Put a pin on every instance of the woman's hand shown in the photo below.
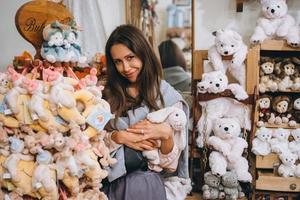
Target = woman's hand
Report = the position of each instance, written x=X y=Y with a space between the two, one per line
x=133 y=140
x=161 y=131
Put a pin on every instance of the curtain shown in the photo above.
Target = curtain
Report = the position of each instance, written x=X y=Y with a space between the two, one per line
x=89 y=17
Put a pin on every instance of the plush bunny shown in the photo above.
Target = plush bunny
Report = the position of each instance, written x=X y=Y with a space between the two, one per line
x=294 y=146
x=295 y=112
x=229 y=43
x=64 y=157
x=11 y=163
x=279 y=142
x=229 y=148
x=287 y=167
x=212 y=189
x=42 y=178
x=264 y=109
x=177 y=120
x=275 y=23
x=71 y=43
x=267 y=77
x=102 y=151
x=52 y=48
x=260 y=144
x=216 y=82
x=58 y=95
x=16 y=91
x=281 y=106
x=36 y=106
x=218 y=108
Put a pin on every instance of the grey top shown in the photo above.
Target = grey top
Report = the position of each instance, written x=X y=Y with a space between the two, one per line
x=178 y=78
x=171 y=96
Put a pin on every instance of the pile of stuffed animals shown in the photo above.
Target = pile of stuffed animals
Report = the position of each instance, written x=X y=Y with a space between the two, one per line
x=283 y=142
x=279 y=74
x=46 y=135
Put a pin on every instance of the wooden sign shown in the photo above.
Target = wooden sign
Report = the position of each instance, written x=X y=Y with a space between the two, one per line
x=32 y=17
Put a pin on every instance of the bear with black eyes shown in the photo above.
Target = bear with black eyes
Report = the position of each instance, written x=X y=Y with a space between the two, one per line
x=281 y=106
x=295 y=112
x=264 y=109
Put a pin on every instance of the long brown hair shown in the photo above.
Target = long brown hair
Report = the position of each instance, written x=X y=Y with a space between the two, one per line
x=171 y=55
x=148 y=80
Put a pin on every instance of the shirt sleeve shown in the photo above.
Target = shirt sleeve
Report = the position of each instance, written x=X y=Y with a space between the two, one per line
x=111 y=145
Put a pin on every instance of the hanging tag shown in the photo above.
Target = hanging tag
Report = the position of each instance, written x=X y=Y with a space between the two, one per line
x=6 y=176
x=38 y=185
x=34 y=117
x=98 y=119
x=6 y=197
x=60 y=120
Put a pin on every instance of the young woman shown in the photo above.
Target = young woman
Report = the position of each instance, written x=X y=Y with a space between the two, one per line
x=134 y=88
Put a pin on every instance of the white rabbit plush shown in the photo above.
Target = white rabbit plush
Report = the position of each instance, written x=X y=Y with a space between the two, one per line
x=42 y=175
x=11 y=163
x=260 y=144
x=229 y=43
x=216 y=82
x=177 y=120
x=275 y=23
x=16 y=91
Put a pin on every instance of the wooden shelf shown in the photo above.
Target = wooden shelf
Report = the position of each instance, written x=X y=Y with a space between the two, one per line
x=266 y=162
x=270 y=182
x=267 y=125
x=276 y=45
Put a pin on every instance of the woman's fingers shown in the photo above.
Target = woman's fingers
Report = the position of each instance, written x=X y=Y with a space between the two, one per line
x=148 y=143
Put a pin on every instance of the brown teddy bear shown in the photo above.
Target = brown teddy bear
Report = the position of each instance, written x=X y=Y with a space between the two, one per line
x=264 y=109
x=267 y=77
x=281 y=105
x=295 y=112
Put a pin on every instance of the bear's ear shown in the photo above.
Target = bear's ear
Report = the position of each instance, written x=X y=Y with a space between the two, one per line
x=263 y=1
x=236 y=36
x=218 y=32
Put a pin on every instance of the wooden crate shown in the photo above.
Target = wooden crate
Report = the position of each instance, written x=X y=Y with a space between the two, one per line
x=267 y=162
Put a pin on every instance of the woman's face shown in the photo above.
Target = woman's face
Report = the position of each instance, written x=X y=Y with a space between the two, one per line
x=127 y=63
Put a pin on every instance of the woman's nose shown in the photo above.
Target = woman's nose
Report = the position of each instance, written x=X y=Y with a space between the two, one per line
x=126 y=66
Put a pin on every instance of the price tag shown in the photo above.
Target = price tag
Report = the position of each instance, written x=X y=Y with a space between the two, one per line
x=98 y=119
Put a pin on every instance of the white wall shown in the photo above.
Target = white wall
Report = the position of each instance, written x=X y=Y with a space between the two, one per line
x=12 y=43
x=211 y=15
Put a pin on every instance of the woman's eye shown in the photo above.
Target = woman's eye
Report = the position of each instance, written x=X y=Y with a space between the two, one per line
x=129 y=58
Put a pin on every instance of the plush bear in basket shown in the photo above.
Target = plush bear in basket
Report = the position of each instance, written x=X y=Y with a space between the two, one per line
x=287 y=167
x=264 y=109
x=261 y=143
x=294 y=146
x=229 y=43
x=295 y=112
x=228 y=149
x=275 y=22
x=286 y=73
x=232 y=188
x=212 y=189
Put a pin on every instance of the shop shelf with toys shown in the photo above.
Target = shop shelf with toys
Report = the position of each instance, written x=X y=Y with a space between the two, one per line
x=277 y=119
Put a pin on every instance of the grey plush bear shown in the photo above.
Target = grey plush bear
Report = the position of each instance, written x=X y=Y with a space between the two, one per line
x=212 y=188
x=231 y=186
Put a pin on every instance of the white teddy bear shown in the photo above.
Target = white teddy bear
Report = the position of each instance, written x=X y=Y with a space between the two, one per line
x=216 y=82
x=260 y=144
x=4 y=83
x=294 y=145
x=229 y=43
x=218 y=108
x=287 y=167
x=279 y=142
x=275 y=23
x=177 y=120
x=229 y=148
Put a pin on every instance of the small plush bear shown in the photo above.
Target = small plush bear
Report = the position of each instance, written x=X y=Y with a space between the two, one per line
x=264 y=109
x=229 y=148
x=286 y=72
x=260 y=144
x=294 y=146
x=281 y=106
x=232 y=188
x=229 y=43
x=216 y=82
x=279 y=142
x=212 y=189
x=275 y=23
x=295 y=112
x=267 y=77
x=287 y=167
